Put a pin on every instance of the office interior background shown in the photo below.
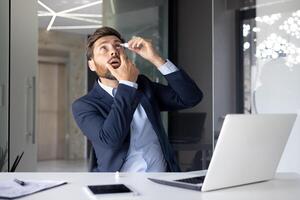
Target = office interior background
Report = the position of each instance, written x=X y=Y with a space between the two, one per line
x=244 y=55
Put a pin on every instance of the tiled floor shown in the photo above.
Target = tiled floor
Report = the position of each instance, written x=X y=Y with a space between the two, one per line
x=62 y=166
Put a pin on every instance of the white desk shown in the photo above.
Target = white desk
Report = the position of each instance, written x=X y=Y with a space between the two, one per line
x=283 y=187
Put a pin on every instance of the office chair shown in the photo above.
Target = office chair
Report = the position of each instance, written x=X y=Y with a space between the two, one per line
x=92 y=163
x=202 y=158
x=186 y=127
x=185 y=133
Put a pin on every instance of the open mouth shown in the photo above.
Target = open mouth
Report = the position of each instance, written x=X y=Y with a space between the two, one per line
x=115 y=62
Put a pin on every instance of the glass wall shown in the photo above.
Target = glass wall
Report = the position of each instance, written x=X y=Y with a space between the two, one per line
x=144 y=18
x=271 y=64
x=271 y=49
x=4 y=68
x=63 y=28
x=192 y=140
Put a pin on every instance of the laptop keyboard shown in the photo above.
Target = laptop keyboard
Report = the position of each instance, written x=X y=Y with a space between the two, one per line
x=193 y=180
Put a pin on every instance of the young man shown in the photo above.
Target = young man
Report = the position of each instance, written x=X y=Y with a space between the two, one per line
x=121 y=114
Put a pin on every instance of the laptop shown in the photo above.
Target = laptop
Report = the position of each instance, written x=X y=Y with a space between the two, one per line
x=248 y=150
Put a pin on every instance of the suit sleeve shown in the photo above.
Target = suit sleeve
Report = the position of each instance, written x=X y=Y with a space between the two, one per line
x=180 y=93
x=110 y=130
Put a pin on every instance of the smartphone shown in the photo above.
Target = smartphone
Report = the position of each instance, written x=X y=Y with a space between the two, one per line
x=112 y=190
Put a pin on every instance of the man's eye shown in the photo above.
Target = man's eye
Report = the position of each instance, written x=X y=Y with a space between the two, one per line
x=103 y=48
x=118 y=46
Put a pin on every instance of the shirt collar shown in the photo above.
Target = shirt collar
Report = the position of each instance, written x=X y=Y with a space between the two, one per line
x=106 y=88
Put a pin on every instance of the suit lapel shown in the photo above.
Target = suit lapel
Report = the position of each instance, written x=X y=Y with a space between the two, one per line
x=99 y=92
x=146 y=94
x=141 y=97
x=149 y=109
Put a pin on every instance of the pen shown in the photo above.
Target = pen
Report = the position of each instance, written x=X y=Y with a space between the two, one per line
x=16 y=162
x=22 y=183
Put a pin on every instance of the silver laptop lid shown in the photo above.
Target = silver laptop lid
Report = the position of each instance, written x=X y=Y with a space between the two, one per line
x=248 y=149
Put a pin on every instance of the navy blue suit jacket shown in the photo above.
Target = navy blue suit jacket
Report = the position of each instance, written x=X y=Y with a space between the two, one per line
x=106 y=120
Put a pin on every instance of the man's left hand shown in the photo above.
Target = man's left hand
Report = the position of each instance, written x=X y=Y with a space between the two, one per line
x=144 y=48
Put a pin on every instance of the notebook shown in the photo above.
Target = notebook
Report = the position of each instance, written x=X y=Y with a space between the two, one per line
x=10 y=189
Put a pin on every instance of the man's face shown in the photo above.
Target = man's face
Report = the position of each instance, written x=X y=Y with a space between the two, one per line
x=106 y=49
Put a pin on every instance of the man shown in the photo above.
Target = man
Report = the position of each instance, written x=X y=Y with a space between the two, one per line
x=121 y=114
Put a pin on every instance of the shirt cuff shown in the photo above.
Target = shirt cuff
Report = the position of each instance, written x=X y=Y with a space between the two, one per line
x=168 y=68
x=129 y=83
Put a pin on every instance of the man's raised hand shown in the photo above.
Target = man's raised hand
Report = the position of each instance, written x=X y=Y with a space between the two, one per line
x=127 y=70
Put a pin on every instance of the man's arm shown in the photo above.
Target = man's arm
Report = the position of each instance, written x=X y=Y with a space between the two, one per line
x=109 y=130
x=181 y=92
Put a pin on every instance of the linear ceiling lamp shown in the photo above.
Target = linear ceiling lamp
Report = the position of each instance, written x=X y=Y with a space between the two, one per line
x=84 y=17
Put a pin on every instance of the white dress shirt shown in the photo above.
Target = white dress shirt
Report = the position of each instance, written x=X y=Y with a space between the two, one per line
x=144 y=154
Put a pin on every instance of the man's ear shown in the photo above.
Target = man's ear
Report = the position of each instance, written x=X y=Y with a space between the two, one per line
x=92 y=65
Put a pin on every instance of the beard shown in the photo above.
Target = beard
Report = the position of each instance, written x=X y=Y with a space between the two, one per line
x=107 y=75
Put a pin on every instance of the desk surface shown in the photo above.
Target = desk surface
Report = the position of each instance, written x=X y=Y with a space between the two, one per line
x=283 y=186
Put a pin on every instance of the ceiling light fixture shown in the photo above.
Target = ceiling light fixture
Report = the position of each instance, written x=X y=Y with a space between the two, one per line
x=47 y=14
x=81 y=7
x=113 y=9
x=73 y=27
x=74 y=16
x=51 y=22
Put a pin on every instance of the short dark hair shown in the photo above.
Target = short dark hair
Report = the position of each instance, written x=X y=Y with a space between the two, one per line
x=100 y=32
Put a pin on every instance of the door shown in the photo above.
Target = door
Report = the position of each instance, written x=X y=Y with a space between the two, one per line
x=51 y=109
x=23 y=67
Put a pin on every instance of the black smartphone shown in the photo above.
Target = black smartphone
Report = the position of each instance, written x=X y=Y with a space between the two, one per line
x=109 y=189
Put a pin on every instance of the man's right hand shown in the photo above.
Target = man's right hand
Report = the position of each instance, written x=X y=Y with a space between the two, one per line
x=127 y=70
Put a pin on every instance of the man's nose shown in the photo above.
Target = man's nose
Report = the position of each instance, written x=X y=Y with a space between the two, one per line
x=114 y=52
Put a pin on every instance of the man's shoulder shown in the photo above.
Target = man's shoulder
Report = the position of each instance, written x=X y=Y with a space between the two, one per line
x=83 y=99
x=81 y=102
x=91 y=99
x=87 y=97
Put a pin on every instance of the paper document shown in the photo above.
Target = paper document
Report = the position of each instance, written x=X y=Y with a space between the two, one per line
x=11 y=189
